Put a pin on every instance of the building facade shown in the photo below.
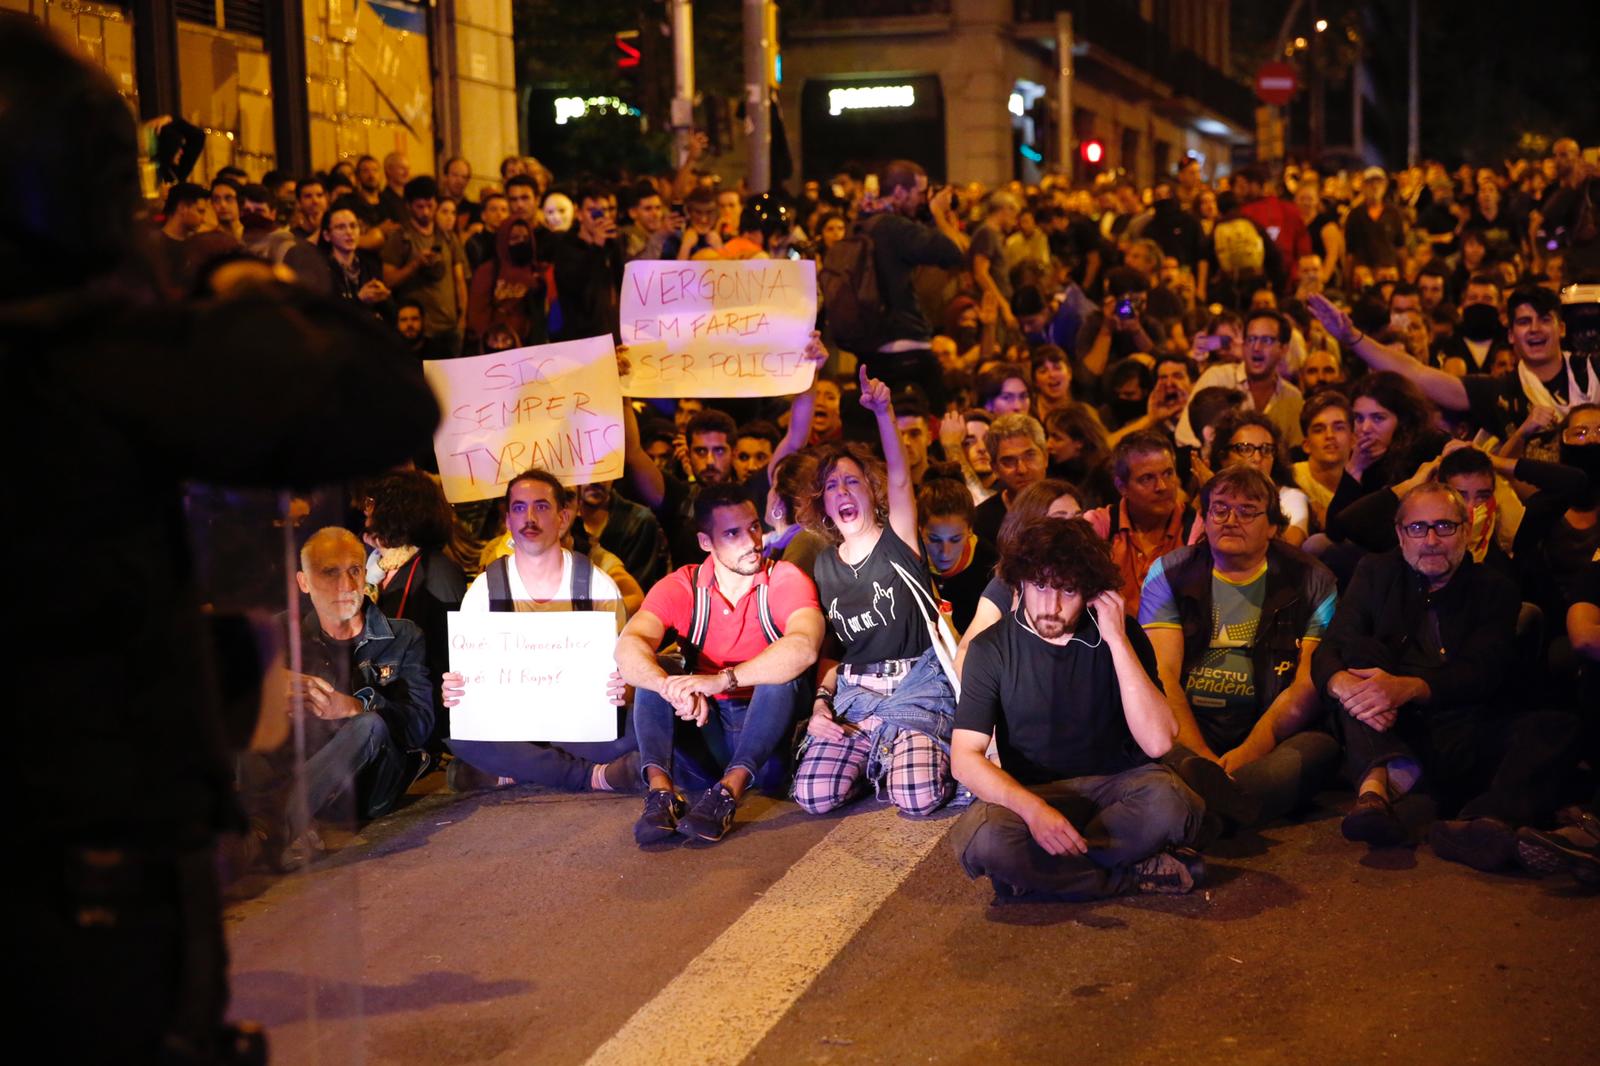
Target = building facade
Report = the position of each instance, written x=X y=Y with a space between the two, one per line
x=971 y=89
x=300 y=85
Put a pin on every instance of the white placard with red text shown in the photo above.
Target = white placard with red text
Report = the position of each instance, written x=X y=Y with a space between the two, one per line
x=706 y=328
x=553 y=406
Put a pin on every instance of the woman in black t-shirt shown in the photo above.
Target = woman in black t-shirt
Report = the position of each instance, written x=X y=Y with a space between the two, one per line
x=884 y=707
x=1394 y=435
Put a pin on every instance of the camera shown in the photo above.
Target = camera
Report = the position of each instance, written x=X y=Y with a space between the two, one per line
x=1125 y=308
x=1580 y=311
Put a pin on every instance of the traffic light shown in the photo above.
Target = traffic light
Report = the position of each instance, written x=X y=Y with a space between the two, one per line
x=1092 y=151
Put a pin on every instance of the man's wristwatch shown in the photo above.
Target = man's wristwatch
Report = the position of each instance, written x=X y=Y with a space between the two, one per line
x=730 y=678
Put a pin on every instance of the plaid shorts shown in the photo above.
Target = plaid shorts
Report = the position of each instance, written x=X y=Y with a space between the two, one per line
x=833 y=772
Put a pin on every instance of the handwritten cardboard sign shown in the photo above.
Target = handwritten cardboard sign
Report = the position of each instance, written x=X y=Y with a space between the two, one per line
x=533 y=675
x=554 y=406
x=718 y=328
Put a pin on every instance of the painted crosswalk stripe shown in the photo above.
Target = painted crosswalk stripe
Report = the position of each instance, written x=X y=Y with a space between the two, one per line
x=730 y=995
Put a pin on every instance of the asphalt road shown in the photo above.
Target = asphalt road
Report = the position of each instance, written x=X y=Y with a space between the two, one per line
x=526 y=927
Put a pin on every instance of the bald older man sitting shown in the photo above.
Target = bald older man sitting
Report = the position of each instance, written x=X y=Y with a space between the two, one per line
x=363 y=697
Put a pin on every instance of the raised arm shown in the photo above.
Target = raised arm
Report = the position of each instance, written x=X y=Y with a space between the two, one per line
x=642 y=470
x=801 y=409
x=1150 y=720
x=1443 y=389
x=876 y=398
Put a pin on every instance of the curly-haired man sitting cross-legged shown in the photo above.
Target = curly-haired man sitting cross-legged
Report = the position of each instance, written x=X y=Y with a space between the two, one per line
x=1078 y=807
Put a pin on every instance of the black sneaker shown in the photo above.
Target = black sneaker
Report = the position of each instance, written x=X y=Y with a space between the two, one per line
x=711 y=816
x=1372 y=821
x=659 y=822
x=300 y=852
x=622 y=774
x=461 y=776
x=1570 y=850
x=1486 y=844
x=1169 y=873
x=1222 y=795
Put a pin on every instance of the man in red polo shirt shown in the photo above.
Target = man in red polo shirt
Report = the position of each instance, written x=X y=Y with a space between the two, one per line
x=750 y=630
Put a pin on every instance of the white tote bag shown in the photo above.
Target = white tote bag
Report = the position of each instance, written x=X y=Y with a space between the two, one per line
x=940 y=631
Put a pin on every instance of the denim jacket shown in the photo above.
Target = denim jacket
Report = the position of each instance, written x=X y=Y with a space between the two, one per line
x=924 y=702
x=387 y=671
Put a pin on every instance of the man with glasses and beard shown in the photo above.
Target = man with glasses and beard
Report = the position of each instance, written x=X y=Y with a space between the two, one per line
x=1413 y=667
x=1234 y=621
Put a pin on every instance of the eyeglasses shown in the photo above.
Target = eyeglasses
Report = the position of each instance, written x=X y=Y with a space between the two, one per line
x=1243 y=449
x=1444 y=527
x=1581 y=434
x=1222 y=512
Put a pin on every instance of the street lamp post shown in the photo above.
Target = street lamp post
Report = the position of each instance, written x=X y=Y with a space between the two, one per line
x=682 y=113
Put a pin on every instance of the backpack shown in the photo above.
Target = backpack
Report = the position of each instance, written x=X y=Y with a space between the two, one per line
x=847 y=284
x=700 y=616
x=1239 y=246
x=500 y=584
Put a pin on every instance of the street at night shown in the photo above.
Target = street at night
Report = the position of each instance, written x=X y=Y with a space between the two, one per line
x=523 y=926
x=870 y=532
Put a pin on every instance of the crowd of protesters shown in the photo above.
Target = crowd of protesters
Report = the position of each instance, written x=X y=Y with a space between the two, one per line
x=1124 y=517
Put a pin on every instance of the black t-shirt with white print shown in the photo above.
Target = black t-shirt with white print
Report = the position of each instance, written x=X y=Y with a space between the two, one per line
x=1500 y=405
x=871 y=611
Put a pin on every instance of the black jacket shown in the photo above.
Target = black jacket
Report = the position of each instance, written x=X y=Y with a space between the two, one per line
x=385 y=668
x=1296 y=583
x=1369 y=521
x=1382 y=622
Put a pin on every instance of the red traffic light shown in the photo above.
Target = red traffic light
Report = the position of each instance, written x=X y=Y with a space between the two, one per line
x=630 y=52
x=1092 y=151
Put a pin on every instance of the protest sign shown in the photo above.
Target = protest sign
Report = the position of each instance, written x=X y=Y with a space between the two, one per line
x=705 y=328
x=554 y=406
x=533 y=675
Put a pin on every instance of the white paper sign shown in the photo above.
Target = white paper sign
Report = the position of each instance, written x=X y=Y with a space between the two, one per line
x=554 y=406
x=718 y=328
x=533 y=675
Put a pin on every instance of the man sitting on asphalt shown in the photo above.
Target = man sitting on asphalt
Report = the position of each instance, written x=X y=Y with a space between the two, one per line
x=1414 y=663
x=1234 y=622
x=541 y=575
x=750 y=631
x=1078 y=807
x=364 y=697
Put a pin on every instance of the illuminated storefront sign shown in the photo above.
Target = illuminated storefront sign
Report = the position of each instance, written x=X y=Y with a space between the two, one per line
x=870 y=98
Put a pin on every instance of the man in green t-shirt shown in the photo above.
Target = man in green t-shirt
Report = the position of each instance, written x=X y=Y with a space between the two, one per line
x=1234 y=621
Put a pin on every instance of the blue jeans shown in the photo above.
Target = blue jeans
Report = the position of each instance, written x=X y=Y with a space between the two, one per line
x=749 y=735
x=1124 y=818
x=527 y=762
x=360 y=754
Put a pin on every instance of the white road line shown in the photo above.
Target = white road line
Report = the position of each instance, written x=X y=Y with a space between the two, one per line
x=717 y=1010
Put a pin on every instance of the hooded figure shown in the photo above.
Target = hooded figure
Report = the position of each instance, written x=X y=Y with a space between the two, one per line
x=513 y=289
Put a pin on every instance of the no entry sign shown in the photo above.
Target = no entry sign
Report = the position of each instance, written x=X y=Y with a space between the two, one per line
x=1276 y=83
